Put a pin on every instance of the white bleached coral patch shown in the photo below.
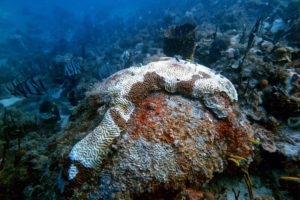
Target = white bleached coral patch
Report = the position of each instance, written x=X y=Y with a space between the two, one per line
x=73 y=171
x=216 y=84
x=91 y=149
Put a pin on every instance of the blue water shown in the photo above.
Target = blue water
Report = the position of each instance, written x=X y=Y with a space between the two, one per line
x=54 y=20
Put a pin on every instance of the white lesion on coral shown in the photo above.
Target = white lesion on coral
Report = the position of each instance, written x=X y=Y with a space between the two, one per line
x=214 y=84
x=125 y=108
x=170 y=86
x=73 y=171
x=92 y=149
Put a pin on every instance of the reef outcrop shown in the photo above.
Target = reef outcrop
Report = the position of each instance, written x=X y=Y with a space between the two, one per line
x=153 y=130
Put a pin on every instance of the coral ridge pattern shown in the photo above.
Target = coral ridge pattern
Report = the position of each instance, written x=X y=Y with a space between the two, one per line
x=126 y=89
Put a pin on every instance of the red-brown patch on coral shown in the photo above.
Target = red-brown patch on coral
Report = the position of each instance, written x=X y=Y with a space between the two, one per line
x=183 y=163
x=186 y=87
x=118 y=119
x=140 y=90
x=190 y=129
x=154 y=119
x=166 y=137
x=234 y=135
x=147 y=117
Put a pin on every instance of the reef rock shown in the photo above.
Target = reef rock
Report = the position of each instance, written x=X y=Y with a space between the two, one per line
x=151 y=131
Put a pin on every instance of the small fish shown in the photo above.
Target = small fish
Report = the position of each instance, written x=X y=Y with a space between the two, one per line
x=189 y=60
x=178 y=58
x=37 y=85
x=72 y=68
x=41 y=84
x=291 y=178
x=12 y=85
x=255 y=141
x=238 y=157
x=31 y=86
x=235 y=161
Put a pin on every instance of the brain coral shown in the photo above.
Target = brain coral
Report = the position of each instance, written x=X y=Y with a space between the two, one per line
x=167 y=123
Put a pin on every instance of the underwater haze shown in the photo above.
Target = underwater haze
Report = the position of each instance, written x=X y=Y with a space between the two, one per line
x=150 y=99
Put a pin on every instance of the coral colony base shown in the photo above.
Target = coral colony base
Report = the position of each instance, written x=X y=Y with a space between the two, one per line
x=166 y=123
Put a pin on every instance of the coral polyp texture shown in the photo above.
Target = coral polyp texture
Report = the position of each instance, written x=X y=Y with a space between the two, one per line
x=164 y=125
